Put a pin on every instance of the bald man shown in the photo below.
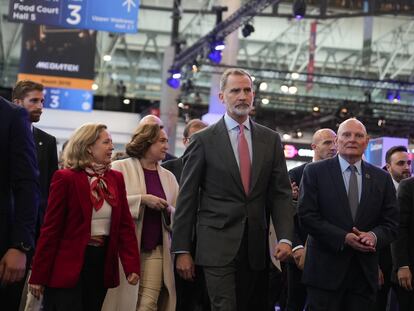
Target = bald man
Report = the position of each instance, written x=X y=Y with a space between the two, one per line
x=151 y=119
x=323 y=146
x=348 y=208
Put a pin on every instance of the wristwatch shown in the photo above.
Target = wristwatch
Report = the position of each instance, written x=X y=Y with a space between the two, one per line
x=23 y=247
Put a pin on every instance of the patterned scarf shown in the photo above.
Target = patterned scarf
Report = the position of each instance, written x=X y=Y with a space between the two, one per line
x=101 y=189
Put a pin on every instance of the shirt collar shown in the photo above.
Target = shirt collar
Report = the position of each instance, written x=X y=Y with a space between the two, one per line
x=396 y=183
x=231 y=123
x=345 y=164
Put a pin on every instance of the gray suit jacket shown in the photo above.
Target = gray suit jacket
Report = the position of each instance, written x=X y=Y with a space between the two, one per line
x=212 y=196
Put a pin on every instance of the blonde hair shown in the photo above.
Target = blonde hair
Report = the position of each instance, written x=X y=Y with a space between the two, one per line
x=144 y=136
x=76 y=154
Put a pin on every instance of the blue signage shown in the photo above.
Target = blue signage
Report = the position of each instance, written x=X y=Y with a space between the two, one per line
x=113 y=16
x=68 y=99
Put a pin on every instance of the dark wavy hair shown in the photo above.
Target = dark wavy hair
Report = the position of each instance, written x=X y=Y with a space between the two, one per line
x=144 y=136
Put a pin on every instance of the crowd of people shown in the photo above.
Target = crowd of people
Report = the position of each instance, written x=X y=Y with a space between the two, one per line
x=206 y=231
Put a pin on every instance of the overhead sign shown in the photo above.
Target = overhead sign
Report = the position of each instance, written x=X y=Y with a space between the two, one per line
x=113 y=16
x=63 y=61
x=68 y=99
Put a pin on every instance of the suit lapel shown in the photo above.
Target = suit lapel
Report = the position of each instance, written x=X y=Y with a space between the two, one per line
x=228 y=156
x=38 y=143
x=338 y=181
x=258 y=150
x=366 y=189
x=83 y=189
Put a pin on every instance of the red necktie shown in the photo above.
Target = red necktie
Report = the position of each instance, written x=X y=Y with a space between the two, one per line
x=244 y=159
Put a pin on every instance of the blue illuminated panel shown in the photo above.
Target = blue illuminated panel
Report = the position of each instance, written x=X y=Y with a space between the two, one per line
x=113 y=16
x=68 y=99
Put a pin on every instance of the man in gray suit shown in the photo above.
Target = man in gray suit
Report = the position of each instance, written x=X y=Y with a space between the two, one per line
x=234 y=177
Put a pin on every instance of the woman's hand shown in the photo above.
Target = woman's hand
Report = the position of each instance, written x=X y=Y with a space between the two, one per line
x=36 y=290
x=154 y=202
x=133 y=279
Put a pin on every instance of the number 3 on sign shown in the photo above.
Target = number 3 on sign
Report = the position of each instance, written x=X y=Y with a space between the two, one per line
x=55 y=101
x=74 y=18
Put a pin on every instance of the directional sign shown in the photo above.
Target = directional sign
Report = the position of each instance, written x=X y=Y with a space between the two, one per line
x=113 y=16
x=68 y=99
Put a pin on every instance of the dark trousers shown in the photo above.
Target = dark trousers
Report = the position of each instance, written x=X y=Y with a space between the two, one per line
x=405 y=299
x=234 y=287
x=11 y=295
x=192 y=296
x=277 y=287
x=385 y=263
x=88 y=294
x=355 y=294
x=296 y=290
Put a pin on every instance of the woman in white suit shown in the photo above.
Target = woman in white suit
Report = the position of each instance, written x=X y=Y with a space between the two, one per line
x=152 y=192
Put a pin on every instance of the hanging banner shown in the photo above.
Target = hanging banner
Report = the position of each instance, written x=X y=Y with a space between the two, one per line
x=113 y=16
x=63 y=61
x=311 y=62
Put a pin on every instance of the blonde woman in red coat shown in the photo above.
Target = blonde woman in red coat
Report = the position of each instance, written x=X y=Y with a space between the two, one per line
x=87 y=226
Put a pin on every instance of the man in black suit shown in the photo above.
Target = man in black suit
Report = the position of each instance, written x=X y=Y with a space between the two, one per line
x=191 y=295
x=348 y=208
x=234 y=176
x=402 y=249
x=29 y=95
x=19 y=199
x=175 y=166
x=323 y=146
x=398 y=164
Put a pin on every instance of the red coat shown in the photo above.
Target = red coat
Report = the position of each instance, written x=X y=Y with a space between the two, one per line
x=66 y=232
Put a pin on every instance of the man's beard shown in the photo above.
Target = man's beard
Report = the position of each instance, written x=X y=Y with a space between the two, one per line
x=241 y=110
x=35 y=118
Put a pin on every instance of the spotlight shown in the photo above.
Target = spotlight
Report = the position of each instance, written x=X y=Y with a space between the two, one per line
x=293 y=89
x=316 y=109
x=287 y=136
x=294 y=76
x=397 y=97
x=127 y=101
x=218 y=45
x=344 y=111
x=263 y=86
x=393 y=97
x=107 y=58
x=174 y=80
x=265 y=101
x=174 y=83
x=176 y=75
x=195 y=67
x=381 y=122
x=299 y=134
x=95 y=86
x=284 y=88
x=390 y=95
x=247 y=30
x=215 y=56
x=299 y=9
